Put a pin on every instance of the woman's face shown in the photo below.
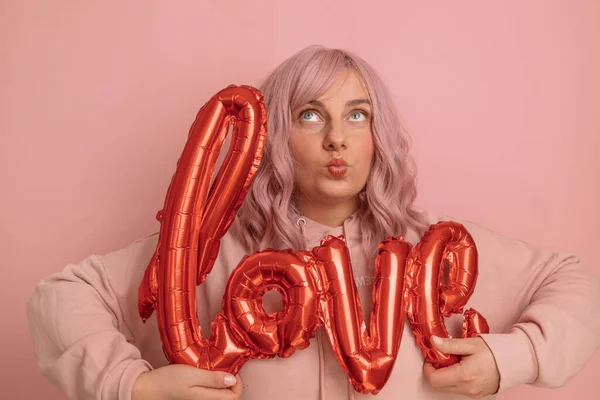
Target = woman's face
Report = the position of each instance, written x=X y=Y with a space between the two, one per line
x=332 y=143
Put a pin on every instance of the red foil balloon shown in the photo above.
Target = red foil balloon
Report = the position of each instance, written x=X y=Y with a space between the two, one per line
x=474 y=324
x=294 y=275
x=429 y=300
x=317 y=287
x=194 y=218
x=368 y=360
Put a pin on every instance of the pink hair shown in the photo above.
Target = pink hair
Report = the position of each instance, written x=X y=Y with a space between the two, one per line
x=267 y=218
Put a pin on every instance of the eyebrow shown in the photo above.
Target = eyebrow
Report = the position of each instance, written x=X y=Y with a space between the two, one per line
x=358 y=102
x=350 y=103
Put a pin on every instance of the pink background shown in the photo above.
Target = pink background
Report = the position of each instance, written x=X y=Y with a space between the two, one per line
x=502 y=100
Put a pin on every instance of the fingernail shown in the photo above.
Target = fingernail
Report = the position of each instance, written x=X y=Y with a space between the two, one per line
x=229 y=380
x=438 y=340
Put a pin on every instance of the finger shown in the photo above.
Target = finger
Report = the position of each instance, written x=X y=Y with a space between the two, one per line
x=428 y=369
x=212 y=379
x=443 y=377
x=450 y=389
x=204 y=393
x=237 y=388
x=461 y=347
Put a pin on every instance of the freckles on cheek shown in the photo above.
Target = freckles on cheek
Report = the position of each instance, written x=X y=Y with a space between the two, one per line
x=300 y=152
x=297 y=159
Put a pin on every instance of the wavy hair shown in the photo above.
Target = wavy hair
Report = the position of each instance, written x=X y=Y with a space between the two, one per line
x=267 y=218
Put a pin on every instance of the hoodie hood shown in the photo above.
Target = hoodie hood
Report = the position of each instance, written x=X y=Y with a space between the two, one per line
x=314 y=231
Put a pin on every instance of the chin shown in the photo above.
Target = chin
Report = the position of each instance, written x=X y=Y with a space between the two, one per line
x=339 y=193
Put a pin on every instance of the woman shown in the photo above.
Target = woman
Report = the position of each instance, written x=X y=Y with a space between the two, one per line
x=335 y=163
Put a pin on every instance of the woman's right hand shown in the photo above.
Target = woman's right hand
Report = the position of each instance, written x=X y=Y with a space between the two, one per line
x=183 y=382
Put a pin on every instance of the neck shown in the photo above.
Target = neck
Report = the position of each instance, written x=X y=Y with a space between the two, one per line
x=332 y=215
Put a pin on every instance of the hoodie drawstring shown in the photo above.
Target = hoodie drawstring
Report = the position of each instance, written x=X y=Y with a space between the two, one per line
x=301 y=222
x=347 y=239
x=321 y=365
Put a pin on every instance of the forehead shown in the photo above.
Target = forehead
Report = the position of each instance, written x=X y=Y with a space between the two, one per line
x=347 y=86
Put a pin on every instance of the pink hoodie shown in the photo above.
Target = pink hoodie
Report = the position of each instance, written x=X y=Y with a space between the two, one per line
x=542 y=308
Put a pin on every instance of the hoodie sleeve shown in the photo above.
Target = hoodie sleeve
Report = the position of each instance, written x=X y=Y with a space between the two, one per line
x=79 y=334
x=551 y=303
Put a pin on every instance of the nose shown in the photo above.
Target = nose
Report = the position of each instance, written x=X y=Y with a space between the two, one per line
x=335 y=140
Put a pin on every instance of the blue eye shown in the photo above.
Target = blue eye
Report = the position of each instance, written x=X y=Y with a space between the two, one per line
x=309 y=116
x=358 y=116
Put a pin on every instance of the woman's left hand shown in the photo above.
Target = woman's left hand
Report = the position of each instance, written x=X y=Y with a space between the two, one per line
x=475 y=376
